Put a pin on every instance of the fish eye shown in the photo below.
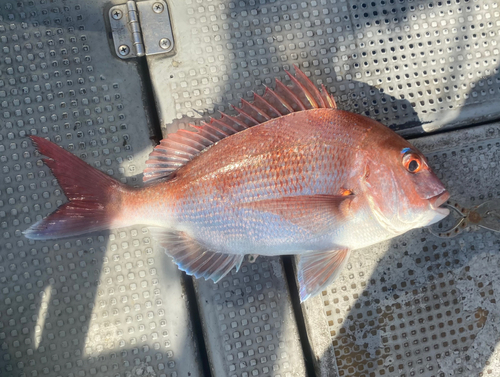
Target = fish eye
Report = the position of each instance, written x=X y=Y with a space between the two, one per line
x=412 y=162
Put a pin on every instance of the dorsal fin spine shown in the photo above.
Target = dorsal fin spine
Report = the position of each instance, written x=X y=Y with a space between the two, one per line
x=246 y=116
x=223 y=124
x=168 y=155
x=216 y=130
x=205 y=134
x=213 y=138
x=329 y=99
x=177 y=148
x=261 y=112
x=311 y=88
x=269 y=105
x=180 y=138
x=234 y=120
x=332 y=98
x=304 y=89
x=280 y=99
x=195 y=136
x=285 y=89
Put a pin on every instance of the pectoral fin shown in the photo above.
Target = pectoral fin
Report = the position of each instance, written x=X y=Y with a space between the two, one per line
x=319 y=269
x=316 y=213
x=192 y=257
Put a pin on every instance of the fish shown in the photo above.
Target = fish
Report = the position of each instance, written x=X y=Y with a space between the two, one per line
x=289 y=174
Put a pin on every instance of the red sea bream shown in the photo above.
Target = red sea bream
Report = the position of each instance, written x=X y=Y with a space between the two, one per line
x=290 y=174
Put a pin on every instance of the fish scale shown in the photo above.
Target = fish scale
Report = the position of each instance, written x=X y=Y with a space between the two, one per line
x=318 y=182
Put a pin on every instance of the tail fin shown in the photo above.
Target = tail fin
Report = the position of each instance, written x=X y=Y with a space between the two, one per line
x=94 y=198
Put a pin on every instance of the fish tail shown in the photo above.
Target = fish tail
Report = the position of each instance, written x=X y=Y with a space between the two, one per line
x=94 y=197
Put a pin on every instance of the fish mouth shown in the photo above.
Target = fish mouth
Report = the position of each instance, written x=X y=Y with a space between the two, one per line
x=438 y=200
x=439 y=212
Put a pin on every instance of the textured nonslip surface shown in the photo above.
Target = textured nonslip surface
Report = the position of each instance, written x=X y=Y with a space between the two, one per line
x=105 y=304
x=420 y=305
x=249 y=325
x=416 y=66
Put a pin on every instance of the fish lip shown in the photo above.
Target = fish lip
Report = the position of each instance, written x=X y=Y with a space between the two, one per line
x=439 y=199
x=439 y=213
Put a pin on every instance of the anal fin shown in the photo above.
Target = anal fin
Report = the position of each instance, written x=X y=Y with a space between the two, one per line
x=192 y=257
x=319 y=269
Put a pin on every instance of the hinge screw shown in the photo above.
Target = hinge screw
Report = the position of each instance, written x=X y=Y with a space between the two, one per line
x=166 y=44
x=116 y=14
x=157 y=7
x=123 y=50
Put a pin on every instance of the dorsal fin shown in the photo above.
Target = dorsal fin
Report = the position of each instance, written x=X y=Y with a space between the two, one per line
x=178 y=148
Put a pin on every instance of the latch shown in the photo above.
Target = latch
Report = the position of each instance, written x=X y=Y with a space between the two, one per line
x=141 y=28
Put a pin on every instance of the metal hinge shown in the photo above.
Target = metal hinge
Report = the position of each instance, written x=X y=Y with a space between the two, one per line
x=141 y=28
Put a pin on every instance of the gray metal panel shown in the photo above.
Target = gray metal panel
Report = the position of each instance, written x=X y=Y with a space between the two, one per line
x=420 y=305
x=414 y=66
x=105 y=304
x=249 y=324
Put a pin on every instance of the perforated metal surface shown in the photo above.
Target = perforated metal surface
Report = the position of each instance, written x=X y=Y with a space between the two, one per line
x=412 y=65
x=420 y=305
x=106 y=304
x=250 y=328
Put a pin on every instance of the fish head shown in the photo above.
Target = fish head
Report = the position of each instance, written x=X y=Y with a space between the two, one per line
x=403 y=190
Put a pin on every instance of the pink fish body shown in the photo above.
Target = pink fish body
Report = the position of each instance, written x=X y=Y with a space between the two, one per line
x=291 y=174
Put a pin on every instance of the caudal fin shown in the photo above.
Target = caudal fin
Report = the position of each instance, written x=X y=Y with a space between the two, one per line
x=94 y=197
